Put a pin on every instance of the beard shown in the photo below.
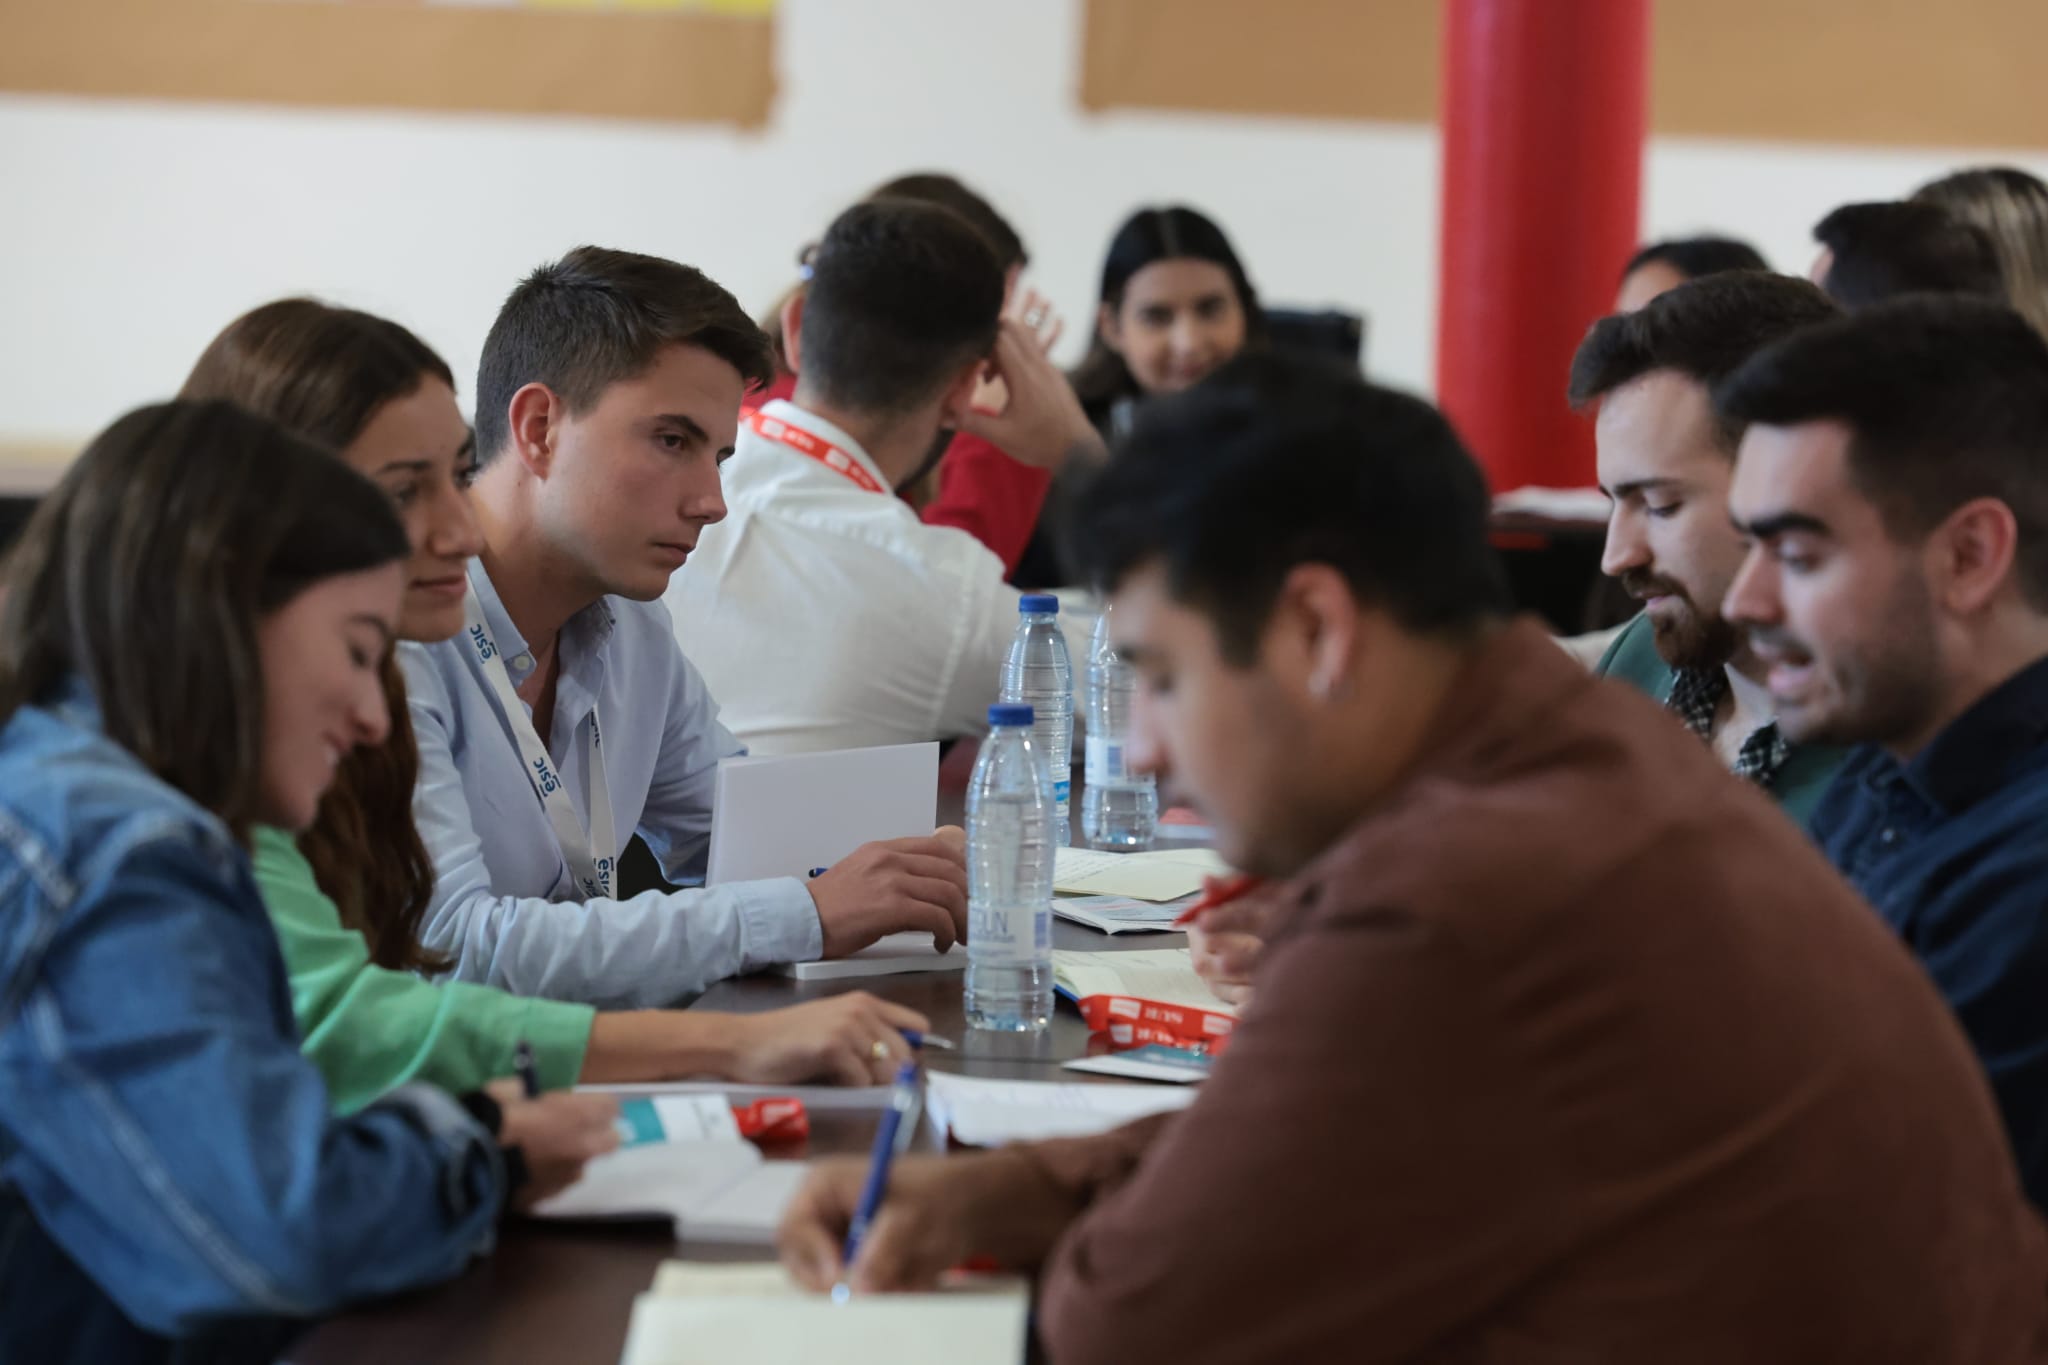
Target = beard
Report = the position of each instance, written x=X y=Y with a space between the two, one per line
x=1881 y=688
x=1686 y=637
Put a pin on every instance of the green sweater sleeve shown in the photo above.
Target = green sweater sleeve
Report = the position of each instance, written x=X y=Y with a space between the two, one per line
x=369 y=1029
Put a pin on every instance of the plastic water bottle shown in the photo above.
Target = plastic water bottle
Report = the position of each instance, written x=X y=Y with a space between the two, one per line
x=1119 y=810
x=1038 y=674
x=1009 y=879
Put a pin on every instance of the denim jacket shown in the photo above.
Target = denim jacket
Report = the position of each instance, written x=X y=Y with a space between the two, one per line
x=172 y=1183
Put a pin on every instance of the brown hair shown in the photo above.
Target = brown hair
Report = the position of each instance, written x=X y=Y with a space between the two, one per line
x=145 y=572
x=323 y=373
x=598 y=317
x=2011 y=207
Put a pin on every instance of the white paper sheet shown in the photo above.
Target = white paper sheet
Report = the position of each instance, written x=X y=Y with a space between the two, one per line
x=986 y=1113
x=655 y=1179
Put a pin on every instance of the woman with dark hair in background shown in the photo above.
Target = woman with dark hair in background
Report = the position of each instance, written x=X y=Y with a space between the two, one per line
x=1174 y=305
x=190 y=642
x=347 y=895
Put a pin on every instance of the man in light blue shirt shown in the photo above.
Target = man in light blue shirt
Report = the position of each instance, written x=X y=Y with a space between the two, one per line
x=607 y=397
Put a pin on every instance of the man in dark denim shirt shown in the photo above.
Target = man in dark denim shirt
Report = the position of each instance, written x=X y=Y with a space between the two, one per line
x=1894 y=483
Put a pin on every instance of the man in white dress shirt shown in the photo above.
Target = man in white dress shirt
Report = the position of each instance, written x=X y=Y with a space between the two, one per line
x=607 y=397
x=823 y=612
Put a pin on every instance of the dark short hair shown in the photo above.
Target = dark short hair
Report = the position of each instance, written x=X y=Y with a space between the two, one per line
x=1703 y=330
x=146 y=572
x=935 y=187
x=598 y=317
x=1278 y=460
x=1946 y=400
x=1882 y=250
x=903 y=295
x=1697 y=257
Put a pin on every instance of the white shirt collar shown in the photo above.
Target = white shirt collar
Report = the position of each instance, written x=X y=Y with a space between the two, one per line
x=784 y=410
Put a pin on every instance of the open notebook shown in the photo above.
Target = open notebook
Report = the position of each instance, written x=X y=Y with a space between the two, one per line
x=755 y=1315
x=1151 y=996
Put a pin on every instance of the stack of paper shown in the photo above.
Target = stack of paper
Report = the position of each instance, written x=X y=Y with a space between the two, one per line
x=986 y=1113
x=1162 y=875
x=721 y=1314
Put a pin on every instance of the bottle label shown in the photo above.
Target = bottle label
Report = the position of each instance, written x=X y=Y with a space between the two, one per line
x=1010 y=937
x=1062 y=787
x=1106 y=761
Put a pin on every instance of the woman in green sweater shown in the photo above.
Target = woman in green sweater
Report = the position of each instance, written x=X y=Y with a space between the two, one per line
x=346 y=896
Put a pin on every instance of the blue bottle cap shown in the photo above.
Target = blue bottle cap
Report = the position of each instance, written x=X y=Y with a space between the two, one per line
x=1011 y=713
x=1036 y=603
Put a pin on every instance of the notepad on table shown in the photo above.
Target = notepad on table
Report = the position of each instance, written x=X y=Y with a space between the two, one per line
x=1164 y=874
x=989 y=1113
x=715 y=1191
x=1152 y=996
x=698 y=1314
x=910 y=951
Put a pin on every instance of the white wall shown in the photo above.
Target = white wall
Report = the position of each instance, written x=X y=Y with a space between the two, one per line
x=129 y=233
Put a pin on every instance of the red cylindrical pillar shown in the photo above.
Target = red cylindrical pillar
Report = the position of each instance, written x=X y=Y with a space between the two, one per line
x=1543 y=116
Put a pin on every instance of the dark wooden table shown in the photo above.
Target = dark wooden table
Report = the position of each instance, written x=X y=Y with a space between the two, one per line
x=557 y=1294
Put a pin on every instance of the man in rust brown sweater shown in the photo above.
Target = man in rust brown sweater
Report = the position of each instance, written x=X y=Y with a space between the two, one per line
x=1565 y=1045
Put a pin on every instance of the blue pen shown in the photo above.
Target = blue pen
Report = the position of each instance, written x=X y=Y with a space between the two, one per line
x=818 y=872
x=901 y=1103
x=923 y=1040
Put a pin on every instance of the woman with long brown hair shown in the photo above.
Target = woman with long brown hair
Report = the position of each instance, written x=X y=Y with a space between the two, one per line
x=190 y=637
x=347 y=895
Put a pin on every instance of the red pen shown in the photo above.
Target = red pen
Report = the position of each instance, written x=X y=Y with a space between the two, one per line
x=1218 y=891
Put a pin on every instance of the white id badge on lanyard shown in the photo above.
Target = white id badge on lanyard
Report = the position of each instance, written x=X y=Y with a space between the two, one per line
x=591 y=874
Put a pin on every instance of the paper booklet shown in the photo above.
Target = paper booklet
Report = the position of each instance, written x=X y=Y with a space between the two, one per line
x=1144 y=997
x=698 y=1314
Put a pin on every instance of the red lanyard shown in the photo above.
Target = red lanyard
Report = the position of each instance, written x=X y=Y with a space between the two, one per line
x=819 y=449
